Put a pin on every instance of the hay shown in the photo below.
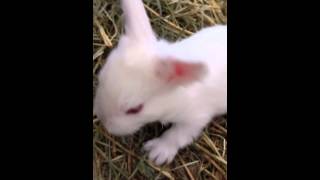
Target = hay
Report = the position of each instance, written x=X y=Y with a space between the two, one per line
x=122 y=158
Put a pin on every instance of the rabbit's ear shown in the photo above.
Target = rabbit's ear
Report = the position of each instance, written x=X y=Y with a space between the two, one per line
x=176 y=72
x=137 y=25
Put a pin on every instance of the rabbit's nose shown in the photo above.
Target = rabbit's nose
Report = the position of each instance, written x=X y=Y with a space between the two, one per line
x=108 y=123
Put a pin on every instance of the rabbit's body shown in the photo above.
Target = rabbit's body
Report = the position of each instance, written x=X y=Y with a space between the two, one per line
x=146 y=80
x=209 y=46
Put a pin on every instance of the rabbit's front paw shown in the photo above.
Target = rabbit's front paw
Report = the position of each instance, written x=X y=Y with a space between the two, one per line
x=160 y=150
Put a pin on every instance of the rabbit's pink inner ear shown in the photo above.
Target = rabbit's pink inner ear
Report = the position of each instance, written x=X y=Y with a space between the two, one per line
x=179 y=72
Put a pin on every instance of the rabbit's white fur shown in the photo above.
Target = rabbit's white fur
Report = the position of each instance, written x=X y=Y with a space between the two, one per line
x=184 y=83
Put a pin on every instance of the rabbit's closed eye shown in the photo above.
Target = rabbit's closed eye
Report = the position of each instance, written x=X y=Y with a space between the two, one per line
x=135 y=110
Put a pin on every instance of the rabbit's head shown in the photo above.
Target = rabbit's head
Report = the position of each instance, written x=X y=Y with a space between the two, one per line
x=136 y=73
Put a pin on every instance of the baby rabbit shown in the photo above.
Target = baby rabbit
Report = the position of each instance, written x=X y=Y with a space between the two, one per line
x=146 y=80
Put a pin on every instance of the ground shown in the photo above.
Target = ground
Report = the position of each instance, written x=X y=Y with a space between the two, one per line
x=123 y=158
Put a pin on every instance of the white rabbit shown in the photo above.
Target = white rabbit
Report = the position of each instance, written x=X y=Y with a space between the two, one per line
x=146 y=80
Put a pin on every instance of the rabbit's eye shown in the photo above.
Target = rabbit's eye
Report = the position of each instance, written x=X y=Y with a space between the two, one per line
x=135 y=110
